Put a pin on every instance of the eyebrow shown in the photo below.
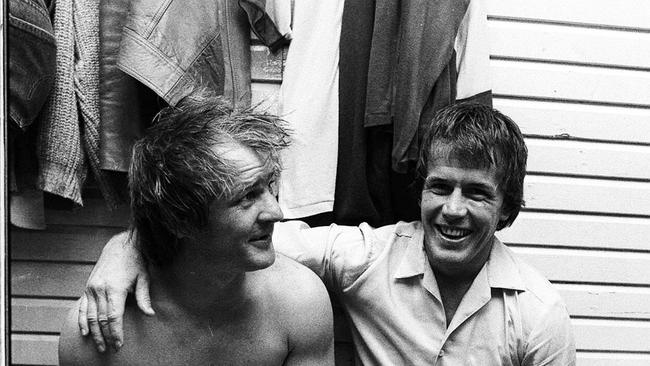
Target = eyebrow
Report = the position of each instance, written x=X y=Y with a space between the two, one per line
x=430 y=179
x=246 y=186
x=433 y=179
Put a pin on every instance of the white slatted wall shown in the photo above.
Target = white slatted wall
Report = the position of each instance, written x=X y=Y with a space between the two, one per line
x=575 y=75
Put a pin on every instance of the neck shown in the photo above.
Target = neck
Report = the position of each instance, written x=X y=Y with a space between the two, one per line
x=198 y=287
x=452 y=290
x=455 y=283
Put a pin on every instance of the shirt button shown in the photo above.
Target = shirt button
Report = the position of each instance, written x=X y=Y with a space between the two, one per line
x=441 y=353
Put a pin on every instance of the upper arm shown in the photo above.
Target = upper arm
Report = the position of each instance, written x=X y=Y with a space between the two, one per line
x=337 y=254
x=311 y=335
x=551 y=341
x=75 y=349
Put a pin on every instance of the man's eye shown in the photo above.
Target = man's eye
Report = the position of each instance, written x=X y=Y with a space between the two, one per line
x=439 y=188
x=248 y=198
x=477 y=194
x=273 y=187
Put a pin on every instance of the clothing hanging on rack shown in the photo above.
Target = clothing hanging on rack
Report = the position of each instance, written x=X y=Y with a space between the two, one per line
x=69 y=136
x=166 y=49
x=308 y=97
x=32 y=64
x=400 y=62
x=126 y=106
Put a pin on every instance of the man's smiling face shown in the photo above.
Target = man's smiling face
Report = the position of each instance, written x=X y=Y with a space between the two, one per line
x=460 y=209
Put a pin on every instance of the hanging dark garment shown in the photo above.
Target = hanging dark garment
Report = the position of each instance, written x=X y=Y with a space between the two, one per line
x=407 y=59
x=352 y=200
x=32 y=65
x=397 y=68
x=126 y=106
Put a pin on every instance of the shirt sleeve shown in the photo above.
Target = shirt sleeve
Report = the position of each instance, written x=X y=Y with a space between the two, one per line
x=473 y=55
x=551 y=341
x=337 y=254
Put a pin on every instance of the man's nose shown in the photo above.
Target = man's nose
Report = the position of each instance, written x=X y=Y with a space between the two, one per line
x=455 y=206
x=271 y=209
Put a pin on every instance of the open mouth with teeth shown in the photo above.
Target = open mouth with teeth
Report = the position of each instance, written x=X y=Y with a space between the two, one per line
x=453 y=233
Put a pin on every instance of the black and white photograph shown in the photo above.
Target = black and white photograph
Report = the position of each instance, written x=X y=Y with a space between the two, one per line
x=325 y=182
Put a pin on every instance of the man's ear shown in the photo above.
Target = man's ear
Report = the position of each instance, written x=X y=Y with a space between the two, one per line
x=504 y=215
x=182 y=233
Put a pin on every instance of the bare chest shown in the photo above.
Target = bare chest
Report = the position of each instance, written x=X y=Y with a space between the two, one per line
x=257 y=340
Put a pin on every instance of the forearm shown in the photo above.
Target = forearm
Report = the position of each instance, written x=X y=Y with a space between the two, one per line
x=337 y=254
x=298 y=241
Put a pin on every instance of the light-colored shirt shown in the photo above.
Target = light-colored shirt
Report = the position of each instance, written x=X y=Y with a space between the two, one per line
x=510 y=315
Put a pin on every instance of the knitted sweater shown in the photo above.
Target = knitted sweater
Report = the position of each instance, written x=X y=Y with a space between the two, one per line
x=70 y=122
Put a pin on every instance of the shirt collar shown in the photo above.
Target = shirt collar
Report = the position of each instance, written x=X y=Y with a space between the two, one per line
x=502 y=270
x=414 y=259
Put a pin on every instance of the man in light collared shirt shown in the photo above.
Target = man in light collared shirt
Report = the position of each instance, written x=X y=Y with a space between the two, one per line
x=443 y=290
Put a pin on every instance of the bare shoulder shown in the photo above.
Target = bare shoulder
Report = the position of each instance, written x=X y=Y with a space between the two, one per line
x=304 y=309
x=299 y=295
x=295 y=282
x=75 y=349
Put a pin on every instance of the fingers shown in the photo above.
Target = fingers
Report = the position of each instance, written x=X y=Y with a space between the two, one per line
x=102 y=315
x=93 y=322
x=116 y=304
x=142 y=293
x=83 y=317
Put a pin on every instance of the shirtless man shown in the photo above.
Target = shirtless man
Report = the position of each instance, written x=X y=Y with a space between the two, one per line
x=203 y=205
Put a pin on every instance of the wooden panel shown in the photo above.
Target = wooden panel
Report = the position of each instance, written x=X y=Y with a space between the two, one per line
x=566 y=82
x=611 y=335
x=39 y=315
x=60 y=243
x=95 y=212
x=48 y=279
x=569 y=44
x=34 y=349
x=568 y=230
x=266 y=66
x=572 y=120
x=619 y=13
x=599 y=267
x=589 y=195
x=612 y=359
x=46 y=315
x=621 y=302
x=588 y=158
